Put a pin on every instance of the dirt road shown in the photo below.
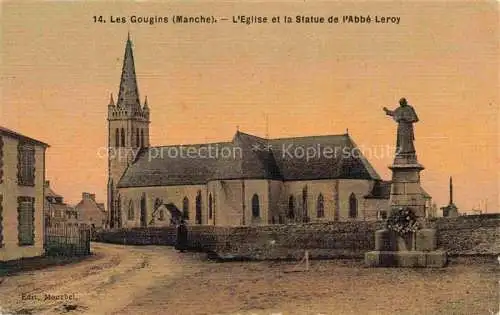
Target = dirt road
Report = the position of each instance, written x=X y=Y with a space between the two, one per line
x=158 y=280
x=103 y=284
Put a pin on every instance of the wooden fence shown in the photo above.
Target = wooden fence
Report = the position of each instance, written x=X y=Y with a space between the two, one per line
x=67 y=241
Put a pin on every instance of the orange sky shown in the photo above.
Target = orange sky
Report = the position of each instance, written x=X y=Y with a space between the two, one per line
x=59 y=67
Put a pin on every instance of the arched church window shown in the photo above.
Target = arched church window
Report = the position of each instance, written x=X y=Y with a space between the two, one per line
x=291 y=207
x=210 y=206
x=185 y=208
x=255 y=206
x=353 y=206
x=117 y=138
x=130 y=214
x=137 y=143
x=161 y=215
x=119 y=211
x=198 y=208
x=123 y=137
x=143 y=211
x=320 y=207
x=304 y=202
x=142 y=138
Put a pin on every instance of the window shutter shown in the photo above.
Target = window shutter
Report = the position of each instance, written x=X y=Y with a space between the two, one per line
x=1 y=221
x=1 y=163
x=25 y=164
x=26 y=221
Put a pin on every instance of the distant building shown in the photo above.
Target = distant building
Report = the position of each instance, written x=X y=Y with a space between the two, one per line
x=57 y=212
x=450 y=210
x=91 y=212
x=22 y=176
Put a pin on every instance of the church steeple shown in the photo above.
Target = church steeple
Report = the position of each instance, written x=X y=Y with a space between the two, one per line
x=128 y=96
x=128 y=132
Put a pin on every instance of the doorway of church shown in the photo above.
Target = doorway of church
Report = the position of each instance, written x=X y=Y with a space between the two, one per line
x=143 y=211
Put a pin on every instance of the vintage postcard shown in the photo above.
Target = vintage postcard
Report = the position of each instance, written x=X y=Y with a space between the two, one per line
x=249 y=157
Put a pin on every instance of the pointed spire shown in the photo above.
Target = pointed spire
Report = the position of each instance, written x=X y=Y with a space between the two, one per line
x=128 y=95
x=111 y=100
x=146 y=103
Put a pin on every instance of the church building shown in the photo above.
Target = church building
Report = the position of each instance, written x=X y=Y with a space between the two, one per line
x=247 y=180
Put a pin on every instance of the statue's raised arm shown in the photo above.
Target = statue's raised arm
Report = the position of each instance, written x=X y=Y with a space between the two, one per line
x=388 y=111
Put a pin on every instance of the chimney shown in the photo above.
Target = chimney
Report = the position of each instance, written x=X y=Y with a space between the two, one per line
x=87 y=195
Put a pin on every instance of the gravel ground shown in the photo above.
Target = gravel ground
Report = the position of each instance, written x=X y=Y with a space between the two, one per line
x=158 y=280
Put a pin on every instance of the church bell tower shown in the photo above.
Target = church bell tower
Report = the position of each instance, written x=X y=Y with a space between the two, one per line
x=128 y=132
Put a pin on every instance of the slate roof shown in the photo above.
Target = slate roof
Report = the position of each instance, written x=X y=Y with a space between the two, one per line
x=380 y=190
x=16 y=135
x=250 y=157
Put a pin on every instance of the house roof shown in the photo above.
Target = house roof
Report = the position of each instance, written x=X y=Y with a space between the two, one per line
x=13 y=134
x=51 y=193
x=57 y=206
x=88 y=205
x=249 y=157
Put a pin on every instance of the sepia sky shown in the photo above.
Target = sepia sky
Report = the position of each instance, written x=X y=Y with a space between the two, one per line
x=58 y=69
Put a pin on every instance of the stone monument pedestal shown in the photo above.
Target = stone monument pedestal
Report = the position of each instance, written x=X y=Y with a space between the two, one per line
x=405 y=245
x=405 y=188
x=417 y=249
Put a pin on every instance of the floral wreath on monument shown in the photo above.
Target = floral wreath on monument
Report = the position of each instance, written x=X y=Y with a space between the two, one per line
x=402 y=221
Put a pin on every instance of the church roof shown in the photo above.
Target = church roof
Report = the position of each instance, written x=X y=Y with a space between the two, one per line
x=380 y=190
x=249 y=157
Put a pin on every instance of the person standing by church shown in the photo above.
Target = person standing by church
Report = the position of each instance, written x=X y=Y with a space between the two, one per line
x=182 y=236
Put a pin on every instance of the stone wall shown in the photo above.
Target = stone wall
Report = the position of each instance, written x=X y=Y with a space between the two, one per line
x=469 y=235
x=462 y=236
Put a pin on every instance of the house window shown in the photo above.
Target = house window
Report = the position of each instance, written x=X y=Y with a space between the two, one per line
x=210 y=206
x=26 y=164
x=117 y=137
x=185 y=208
x=123 y=137
x=291 y=207
x=26 y=221
x=1 y=221
x=130 y=213
x=320 y=207
x=1 y=163
x=255 y=206
x=353 y=206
